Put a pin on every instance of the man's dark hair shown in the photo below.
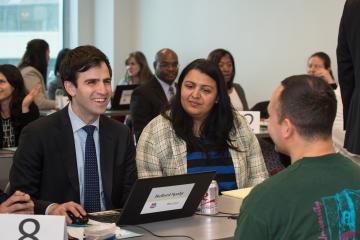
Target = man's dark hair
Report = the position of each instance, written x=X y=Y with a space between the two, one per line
x=218 y=125
x=79 y=60
x=310 y=104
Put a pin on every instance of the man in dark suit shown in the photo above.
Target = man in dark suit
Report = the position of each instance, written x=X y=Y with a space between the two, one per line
x=52 y=162
x=348 y=57
x=148 y=100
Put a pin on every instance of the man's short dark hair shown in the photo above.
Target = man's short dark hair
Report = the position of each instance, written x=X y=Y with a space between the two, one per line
x=81 y=59
x=310 y=104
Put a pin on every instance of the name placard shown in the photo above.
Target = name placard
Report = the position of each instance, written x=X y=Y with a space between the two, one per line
x=253 y=118
x=167 y=198
x=32 y=227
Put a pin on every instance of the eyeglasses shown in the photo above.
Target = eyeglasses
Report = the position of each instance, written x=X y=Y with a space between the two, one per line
x=169 y=65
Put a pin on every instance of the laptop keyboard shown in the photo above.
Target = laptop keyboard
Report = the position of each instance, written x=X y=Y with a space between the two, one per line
x=111 y=216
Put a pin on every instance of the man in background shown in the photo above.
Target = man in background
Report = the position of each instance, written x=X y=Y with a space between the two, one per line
x=348 y=57
x=77 y=159
x=316 y=197
x=149 y=99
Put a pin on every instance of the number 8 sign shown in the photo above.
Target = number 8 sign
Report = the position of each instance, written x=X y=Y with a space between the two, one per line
x=32 y=227
x=253 y=118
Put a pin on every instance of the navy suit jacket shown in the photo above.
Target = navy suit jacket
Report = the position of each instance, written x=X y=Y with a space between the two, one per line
x=45 y=167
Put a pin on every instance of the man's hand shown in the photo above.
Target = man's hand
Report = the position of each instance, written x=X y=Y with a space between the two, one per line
x=19 y=203
x=60 y=209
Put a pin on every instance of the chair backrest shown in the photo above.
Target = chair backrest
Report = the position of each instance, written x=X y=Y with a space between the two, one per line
x=262 y=107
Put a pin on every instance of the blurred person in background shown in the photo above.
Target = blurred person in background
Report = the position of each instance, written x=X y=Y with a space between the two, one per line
x=33 y=67
x=226 y=63
x=16 y=107
x=137 y=69
x=56 y=83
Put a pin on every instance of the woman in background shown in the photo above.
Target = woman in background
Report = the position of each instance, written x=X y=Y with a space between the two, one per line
x=137 y=69
x=201 y=132
x=226 y=63
x=17 y=109
x=33 y=67
x=319 y=64
x=137 y=72
x=57 y=83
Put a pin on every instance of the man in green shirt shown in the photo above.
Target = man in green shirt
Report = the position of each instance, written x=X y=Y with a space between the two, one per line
x=318 y=195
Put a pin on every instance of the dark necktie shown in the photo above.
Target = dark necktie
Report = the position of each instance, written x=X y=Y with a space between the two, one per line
x=91 y=175
x=171 y=92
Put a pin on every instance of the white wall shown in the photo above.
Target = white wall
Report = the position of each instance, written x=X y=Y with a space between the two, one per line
x=270 y=40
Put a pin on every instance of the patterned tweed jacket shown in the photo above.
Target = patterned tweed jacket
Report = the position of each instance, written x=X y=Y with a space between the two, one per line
x=160 y=152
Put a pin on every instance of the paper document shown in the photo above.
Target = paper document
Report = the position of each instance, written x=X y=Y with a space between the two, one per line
x=238 y=193
x=120 y=233
x=9 y=149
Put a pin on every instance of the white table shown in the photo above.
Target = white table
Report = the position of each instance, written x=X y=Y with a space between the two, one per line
x=198 y=227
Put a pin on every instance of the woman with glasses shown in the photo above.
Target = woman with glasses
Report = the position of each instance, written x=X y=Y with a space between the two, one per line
x=201 y=132
x=319 y=64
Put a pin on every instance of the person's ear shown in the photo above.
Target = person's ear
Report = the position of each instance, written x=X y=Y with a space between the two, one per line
x=287 y=128
x=70 y=88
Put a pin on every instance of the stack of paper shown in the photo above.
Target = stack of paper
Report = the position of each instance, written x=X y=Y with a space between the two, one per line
x=238 y=193
x=77 y=231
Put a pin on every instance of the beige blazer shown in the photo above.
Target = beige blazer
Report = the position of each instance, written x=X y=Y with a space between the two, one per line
x=32 y=78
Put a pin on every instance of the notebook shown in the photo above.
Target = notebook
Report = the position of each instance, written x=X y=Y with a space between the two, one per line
x=161 y=198
x=238 y=193
x=122 y=97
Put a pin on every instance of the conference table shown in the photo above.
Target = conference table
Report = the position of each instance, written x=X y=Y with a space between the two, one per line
x=198 y=227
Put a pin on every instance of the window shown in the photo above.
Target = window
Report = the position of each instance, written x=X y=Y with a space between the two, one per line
x=23 y=20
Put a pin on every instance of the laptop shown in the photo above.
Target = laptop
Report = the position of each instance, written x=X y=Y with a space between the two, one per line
x=122 y=97
x=160 y=198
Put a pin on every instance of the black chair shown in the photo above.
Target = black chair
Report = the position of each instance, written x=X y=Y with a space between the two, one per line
x=262 y=107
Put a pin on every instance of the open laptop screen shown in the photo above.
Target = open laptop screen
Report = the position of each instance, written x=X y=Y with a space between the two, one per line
x=163 y=198
x=122 y=97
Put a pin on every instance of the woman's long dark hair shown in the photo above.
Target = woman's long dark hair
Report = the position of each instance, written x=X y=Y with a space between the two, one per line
x=217 y=127
x=36 y=56
x=15 y=79
x=216 y=56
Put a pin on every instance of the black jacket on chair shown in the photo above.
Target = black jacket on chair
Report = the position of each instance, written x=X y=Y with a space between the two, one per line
x=348 y=56
x=147 y=101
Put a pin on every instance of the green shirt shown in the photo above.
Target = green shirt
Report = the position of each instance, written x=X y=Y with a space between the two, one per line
x=315 y=198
